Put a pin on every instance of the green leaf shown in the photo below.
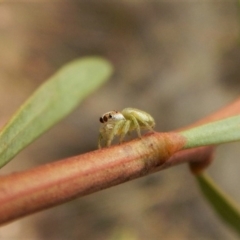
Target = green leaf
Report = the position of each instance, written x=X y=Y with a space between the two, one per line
x=222 y=131
x=51 y=102
x=220 y=202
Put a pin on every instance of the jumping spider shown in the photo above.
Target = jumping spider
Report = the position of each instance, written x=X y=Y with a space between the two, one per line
x=121 y=123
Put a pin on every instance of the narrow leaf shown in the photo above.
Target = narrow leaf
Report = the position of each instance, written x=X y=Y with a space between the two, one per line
x=220 y=202
x=51 y=102
x=222 y=131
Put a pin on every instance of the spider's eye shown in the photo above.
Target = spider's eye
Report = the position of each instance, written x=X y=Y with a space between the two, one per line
x=101 y=120
x=105 y=118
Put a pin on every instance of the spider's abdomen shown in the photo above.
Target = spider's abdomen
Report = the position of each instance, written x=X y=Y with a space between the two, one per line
x=142 y=117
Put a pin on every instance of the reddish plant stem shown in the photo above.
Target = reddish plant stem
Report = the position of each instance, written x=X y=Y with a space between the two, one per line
x=29 y=191
x=51 y=184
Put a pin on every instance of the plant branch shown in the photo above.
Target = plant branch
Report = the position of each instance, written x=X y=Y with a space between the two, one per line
x=36 y=189
x=29 y=191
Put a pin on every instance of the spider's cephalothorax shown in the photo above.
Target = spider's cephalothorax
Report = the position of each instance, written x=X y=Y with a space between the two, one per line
x=121 y=123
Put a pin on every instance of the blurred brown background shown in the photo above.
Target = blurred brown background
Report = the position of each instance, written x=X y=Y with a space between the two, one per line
x=177 y=60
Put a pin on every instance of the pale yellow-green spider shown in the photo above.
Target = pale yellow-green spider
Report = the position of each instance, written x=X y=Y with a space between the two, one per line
x=122 y=123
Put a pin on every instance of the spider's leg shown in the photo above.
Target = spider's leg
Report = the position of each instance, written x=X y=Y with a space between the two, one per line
x=136 y=125
x=114 y=131
x=146 y=125
x=103 y=136
x=125 y=130
x=100 y=137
